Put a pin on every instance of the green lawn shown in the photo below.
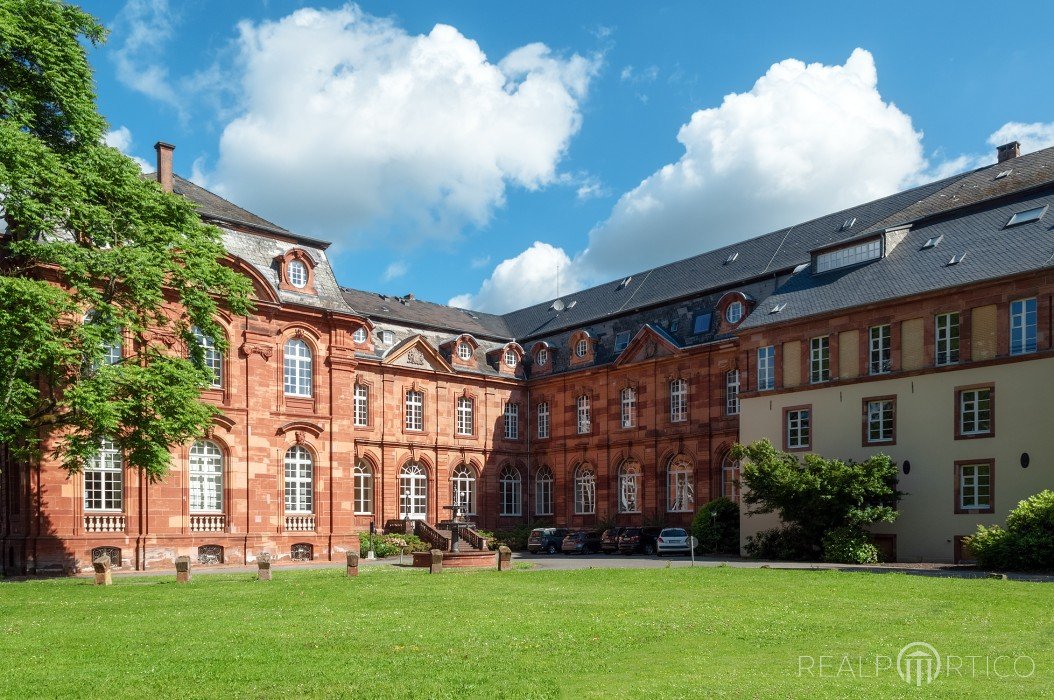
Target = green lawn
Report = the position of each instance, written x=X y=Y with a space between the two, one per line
x=596 y=633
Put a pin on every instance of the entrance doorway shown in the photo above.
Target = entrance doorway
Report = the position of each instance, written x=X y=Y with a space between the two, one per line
x=413 y=492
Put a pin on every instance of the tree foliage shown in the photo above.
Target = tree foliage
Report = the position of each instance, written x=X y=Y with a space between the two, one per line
x=817 y=495
x=716 y=526
x=1027 y=542
x=93 y=253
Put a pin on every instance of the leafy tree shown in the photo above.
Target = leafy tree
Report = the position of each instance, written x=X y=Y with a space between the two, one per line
x=817 y=495
x=716 y=526
x=92 y=253
x=1026 y=544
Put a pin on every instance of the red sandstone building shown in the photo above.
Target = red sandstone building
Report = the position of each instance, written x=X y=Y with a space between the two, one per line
x=344 y=408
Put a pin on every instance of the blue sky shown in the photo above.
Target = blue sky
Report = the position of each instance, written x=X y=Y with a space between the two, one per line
x=470 y=161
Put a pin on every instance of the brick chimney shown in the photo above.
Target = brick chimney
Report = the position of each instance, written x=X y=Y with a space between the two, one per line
x=1008 y=151
x=164 y=164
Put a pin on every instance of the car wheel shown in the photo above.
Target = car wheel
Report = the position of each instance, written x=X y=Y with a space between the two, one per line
x=552 y=549
x=649 y=549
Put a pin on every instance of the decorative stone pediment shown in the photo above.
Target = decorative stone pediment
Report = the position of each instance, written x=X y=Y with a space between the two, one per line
x=648 y=344
x=415 y=353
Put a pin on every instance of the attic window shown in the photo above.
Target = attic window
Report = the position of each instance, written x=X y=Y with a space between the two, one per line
x=778 y=307
x=1003 y=173
x=850 y=255
x=581 y=348
x=848 y=224
x=387 y=337
x=932 y=242
x=464 y=351
x=297 y=273
x=359 y=336
x=731 y=258
x=674 y=325
x=621 y=341
x=702 y=324
x=1027 y=216
x=510 y=358
x=956 y=259
x=625 y=283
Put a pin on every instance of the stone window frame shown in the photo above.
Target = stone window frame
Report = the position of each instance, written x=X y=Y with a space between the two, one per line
x=363 y=486
x=628 y=407
x=786 y=427
x=312 y=353
x=958 y=485
x=108 y=464
x=514 y=434
x=952 y=355
x=884 y=347
x=732 y=389
x=510 y=479
x=865 y=421
x=222 y=481
x=584 y=481
x=285 y=282
x=1024 y=348
x=729 y=467
x=461 y=401
x=420 y=412
x=544 y=488
x=678 y=409
x=820 y=359
x=770 y=374
x=629 y=470
x=547 y=423
x=465 y=479
x=960 y=434
x=215 y=360
x=367 y=388
x=678 y=489
x=299 y=480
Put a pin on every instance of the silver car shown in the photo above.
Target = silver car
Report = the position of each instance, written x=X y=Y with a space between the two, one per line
x=673 y=540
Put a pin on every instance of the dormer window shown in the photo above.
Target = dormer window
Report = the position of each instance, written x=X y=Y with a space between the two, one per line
x=734 y=312
x=850 y=255
x=510 y=358
x=464 y=351
x=359 y=336
x=297 y=273
x=542 y=358
x=387 y=337
x=582 y=348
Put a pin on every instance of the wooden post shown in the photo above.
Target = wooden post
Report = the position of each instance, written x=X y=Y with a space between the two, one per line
x=504 y=558
x=263 y=564
x=435 y=566
x=182 y=569
x=353 y=564
x=102 y=571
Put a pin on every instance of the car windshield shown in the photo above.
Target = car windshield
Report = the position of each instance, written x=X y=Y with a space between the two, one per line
x=632 y=531
x=674 y=532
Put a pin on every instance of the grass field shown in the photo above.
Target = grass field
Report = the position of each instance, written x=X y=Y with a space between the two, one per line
x=595 y=633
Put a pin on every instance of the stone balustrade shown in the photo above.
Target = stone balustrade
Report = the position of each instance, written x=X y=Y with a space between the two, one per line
x=299 y=523
x=99 y=522
x=208 y=523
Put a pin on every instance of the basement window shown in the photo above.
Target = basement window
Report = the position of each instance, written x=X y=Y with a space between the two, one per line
x=1027 y=216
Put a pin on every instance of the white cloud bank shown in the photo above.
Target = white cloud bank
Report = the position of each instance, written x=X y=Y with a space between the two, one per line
x=348 y=121
x=530 y=276
x=121 y=139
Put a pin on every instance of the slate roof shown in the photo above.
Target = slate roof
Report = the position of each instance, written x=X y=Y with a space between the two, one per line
x=992 y=251
x=425 y=314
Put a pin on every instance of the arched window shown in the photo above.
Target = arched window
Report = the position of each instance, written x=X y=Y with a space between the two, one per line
x=297 y=273
x=582 y=347
x=206 y=477
x=582 y=404
x=359 y=336
x=463 y=488
x=213 y=357
x=730 y=478
x=299 y=480
x=298 y=377
x=543 y=492
x=104 y=479
x=510 y=358
x=680 y=487
x=509 y=487
x=585 y=490
x=464 y=351
x=542 y=358
x=734 y=312
x=629 y=407
x=363 y=488
x=413 y=492
x=629 y=478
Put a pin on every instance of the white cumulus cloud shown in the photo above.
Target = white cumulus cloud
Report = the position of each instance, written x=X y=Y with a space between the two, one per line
x=121 y=139
x=144 y=27
x=347 y=121
x=395 y=270
x=1033 y=137
x=531 y=276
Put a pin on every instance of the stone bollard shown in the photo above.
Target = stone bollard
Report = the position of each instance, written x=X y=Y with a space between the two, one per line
x=504 y=558
x=102 y=571
x=182 y=569
x=353 y=563
x=435 y=565
x=263 y=563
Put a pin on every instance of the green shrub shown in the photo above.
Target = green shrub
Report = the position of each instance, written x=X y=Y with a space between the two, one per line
x=1026 y=544
x=390 y=545
x=515 y=538
x=716 y=526
x=849 y=545
x=780 y=543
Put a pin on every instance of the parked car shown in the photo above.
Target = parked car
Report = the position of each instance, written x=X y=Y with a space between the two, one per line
x=673 y=540
x=609 y=540
x=638 y=540
x=581 y=542
x=546 y=539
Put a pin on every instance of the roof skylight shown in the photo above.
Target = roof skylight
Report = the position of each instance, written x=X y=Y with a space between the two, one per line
x=1003 y=173
x=848 y=224
x=932 y=242
x=625 y=283
x=1027 y=216
x=956 y=259
x=731 y=258
x=777 y=308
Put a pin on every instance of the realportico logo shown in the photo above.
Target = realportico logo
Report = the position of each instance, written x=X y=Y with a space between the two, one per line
x=917 y=664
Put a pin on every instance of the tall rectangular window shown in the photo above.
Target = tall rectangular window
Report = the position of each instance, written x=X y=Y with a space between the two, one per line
x=414 y=410
x=881 y=417
x=975 y=412
x=881 y=349
x=629 y=407
x=946 y=339
x=767 y=368
x=512 y=421
x=797 y=428
x=1023 y=326
x=974 y=487
x=543 y=420
x=464 y=418
x=361 y=409
x=104 y=479
x=820 y=359
x=732 y=392
x=678 y=400
x=584 y=422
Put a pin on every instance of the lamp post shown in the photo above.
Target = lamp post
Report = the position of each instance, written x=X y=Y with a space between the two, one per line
x=373 y=531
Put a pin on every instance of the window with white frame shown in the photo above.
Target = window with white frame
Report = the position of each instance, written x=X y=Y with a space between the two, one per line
x=299 y=480
x=509 y=491
x=880 y=420
x=798 y=429
x=297 y=364
x=363 y=488
x=621 y=340
x=734 y=312
x=585 y=491
x=414 y=410
x=297 y=273
x=543 y=491
x=730 y=478
x=678 y=400
x=463 y=487
x=113 y=347
x=629 y=478
x=584 y=422
x=464 y=351
x=766 y=368
x=1023 y=326
x=975 y=486
x=851 y=255
x=582 y=347
x=359 y=336
x=732 y=392
x=512 y=421
x=361 y=405
x=680 y=486
x=104 y=479
x=213 y=357
x=542 y=358
x=881 y=344
x=629 y=407
x=975 y=411
x=206 y=477
x=820 y=359
x=465 y=424
x=510 y=358
x=387 y=337
x=946 y=339
x=543 y=420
